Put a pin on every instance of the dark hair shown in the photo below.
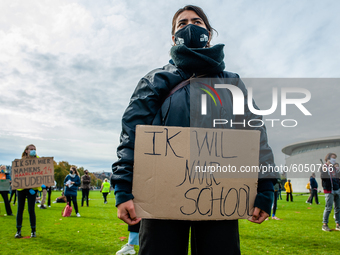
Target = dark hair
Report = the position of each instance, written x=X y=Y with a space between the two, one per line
x=74 y=168
x=199 y=12
x=329 y=155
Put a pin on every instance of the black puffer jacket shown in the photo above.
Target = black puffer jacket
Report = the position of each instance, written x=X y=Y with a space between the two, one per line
x=330 y=178
x=146 y=107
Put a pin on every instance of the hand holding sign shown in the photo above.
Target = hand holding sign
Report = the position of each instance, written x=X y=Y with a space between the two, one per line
x=258 y=216
x=126 y=212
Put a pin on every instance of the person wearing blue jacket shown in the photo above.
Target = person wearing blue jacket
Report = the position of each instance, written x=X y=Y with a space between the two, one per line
x=72 y=182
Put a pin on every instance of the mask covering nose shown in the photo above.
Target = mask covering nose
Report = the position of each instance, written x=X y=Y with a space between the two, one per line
x=192 y=36
x=32 y=153
x=332 y=160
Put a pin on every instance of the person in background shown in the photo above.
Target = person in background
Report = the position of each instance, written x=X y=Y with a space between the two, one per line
x=49 y=193
x=280 y=189
x=43 y=198
x=72 y=182
x=276 y=191
x=331 y=188
x=289 y=191
x=29 y=152
x=105 y=189
x=4 y=193
x=310 y=193
x=13 y=193
x=314 y=189
x=61 y=199
x=85 y=187
x=133 y=240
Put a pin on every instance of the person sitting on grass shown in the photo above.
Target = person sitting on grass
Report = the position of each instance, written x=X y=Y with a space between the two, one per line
x=61 y=199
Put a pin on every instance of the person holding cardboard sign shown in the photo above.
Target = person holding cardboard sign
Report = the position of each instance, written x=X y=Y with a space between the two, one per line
x=163 y=97
x=30 y=194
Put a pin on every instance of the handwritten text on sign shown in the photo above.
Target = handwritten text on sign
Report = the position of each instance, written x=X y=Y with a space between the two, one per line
x=167 y=184
x=32 y=172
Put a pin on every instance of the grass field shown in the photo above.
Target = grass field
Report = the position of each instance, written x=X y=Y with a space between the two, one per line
x=99 y=231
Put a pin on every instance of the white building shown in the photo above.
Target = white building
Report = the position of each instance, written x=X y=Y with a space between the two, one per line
x=306 y=156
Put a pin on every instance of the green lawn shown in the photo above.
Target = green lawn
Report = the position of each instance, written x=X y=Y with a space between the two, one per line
x=99 y=231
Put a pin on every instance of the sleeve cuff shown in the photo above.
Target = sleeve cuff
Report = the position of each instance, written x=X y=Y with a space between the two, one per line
x=264 y=201
x=122 y=197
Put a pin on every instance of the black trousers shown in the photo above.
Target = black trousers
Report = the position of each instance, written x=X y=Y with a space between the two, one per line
x=105 y=196
x=4 y=195
x=22 y=195
x=290 y=195
x=275 y=202
x=85 y=195
x=314 y=194
x=49 y=193
x=310 y=196
x=171 y=237
x=74 y=200
x=134 y=228
x=13 y=193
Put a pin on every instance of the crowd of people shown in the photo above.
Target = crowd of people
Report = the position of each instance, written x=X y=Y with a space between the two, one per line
x=329 y=174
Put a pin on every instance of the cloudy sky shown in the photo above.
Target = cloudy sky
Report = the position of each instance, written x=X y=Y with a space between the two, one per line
x=68 y=68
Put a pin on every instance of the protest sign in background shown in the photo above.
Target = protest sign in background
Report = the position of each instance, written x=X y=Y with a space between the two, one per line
x=32 y=172
x=4 y=185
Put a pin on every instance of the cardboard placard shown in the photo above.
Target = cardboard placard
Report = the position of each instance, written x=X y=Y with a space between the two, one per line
x=32 y=172
x=4 y=185
x=170 y=179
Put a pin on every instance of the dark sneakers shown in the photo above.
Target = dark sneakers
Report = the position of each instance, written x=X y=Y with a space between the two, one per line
x=18 y=234
x=33 y=233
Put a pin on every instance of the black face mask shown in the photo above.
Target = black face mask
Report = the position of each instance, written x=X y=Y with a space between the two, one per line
x=192 y=36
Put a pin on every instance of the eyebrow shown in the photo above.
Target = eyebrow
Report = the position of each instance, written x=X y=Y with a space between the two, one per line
x=193 y=19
